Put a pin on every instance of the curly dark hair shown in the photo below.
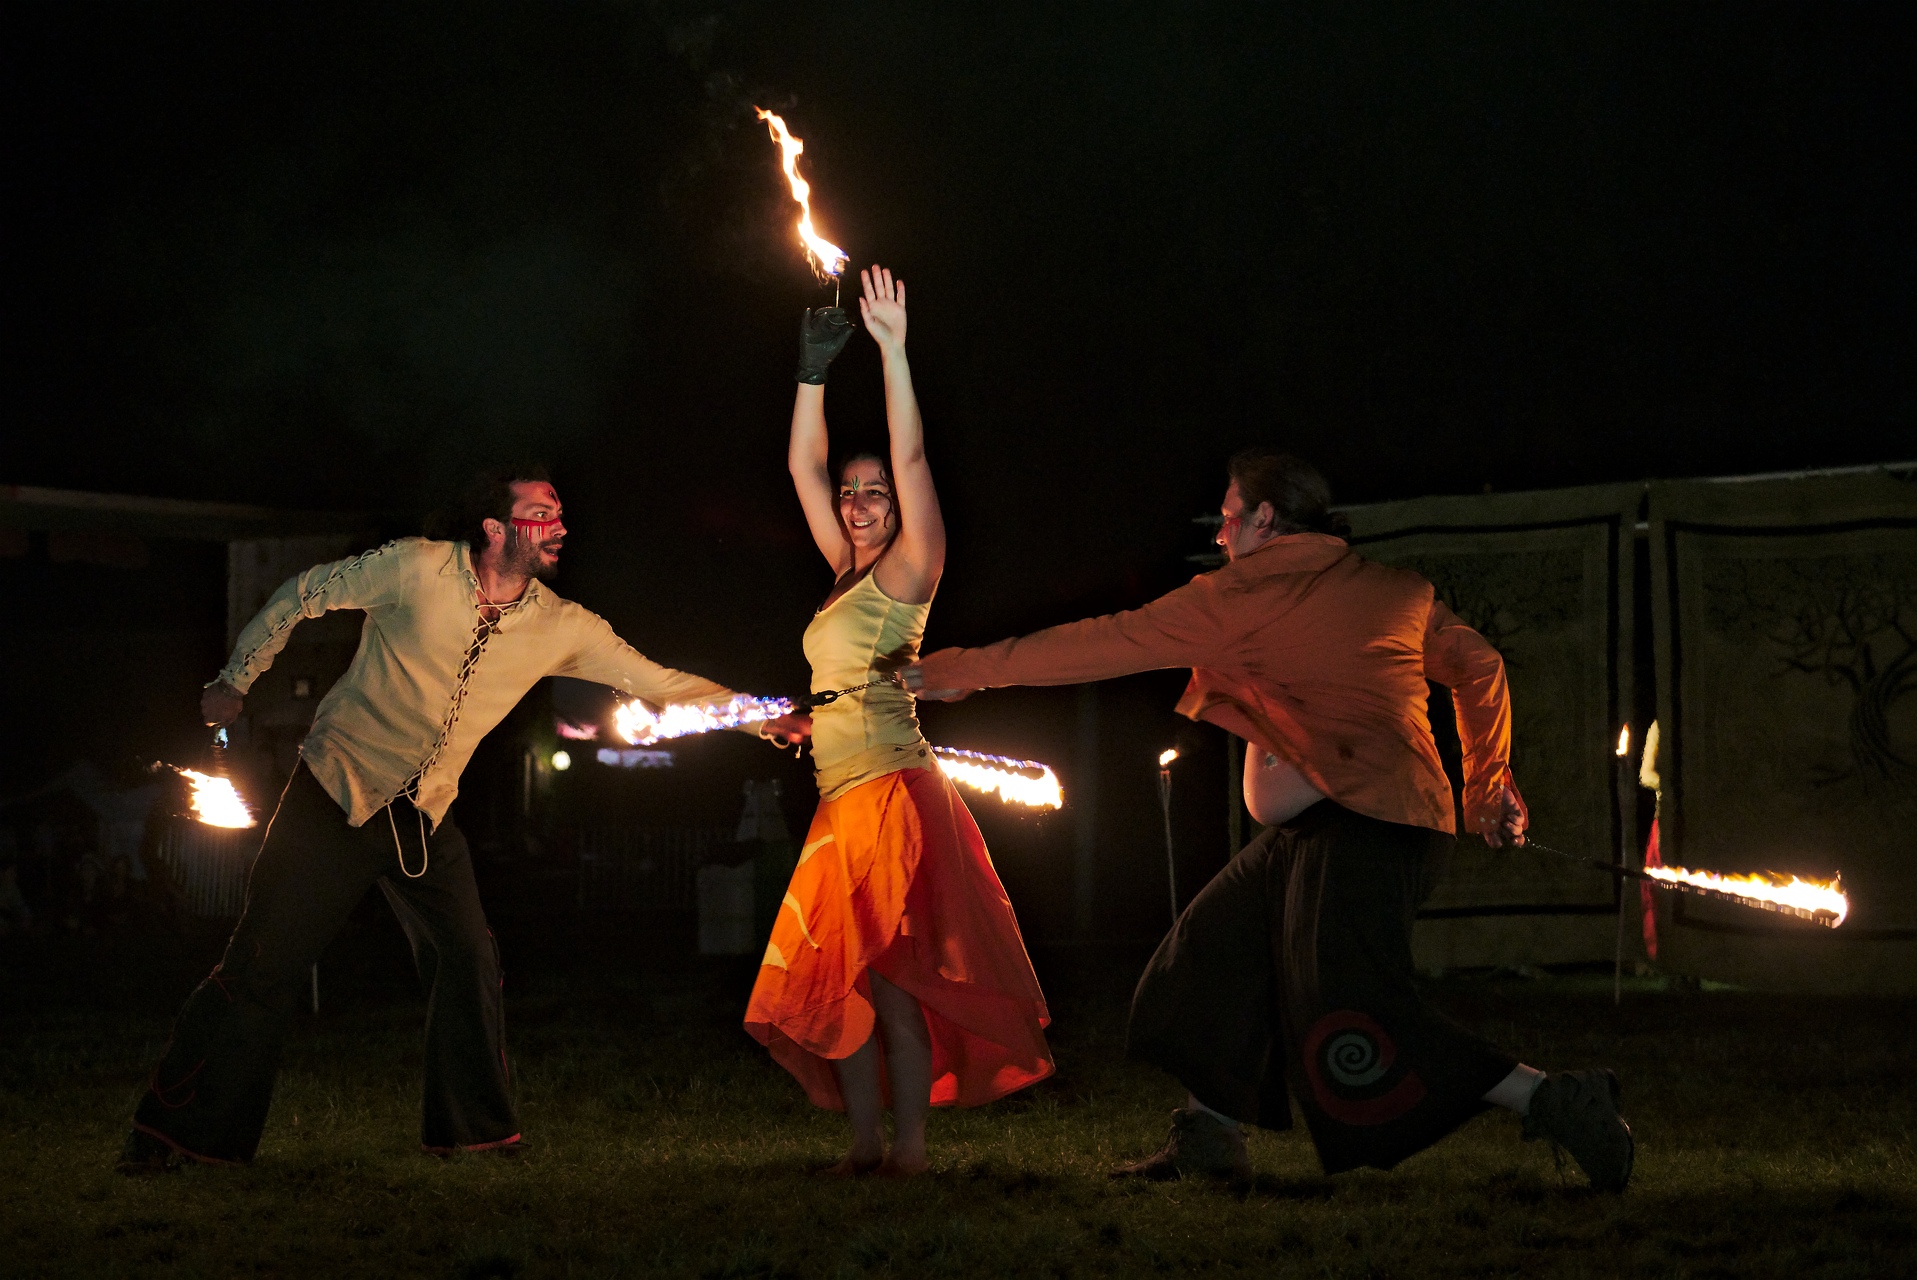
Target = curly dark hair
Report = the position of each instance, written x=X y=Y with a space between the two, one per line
x=489 y=496
x=1299 y=496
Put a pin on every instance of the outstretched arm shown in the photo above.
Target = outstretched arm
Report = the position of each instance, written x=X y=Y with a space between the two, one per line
x=1183 y=628
x=911 y=567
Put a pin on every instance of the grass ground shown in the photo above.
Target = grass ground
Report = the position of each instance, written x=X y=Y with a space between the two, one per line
x=1775 y=1138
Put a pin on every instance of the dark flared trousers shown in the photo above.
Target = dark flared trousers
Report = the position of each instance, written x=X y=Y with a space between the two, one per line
x=210 y=1093
x=1294 y=966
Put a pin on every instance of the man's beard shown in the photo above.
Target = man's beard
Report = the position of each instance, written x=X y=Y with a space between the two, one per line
x=522 y=555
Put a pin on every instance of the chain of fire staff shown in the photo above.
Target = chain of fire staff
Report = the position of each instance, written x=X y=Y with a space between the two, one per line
x=217 y=803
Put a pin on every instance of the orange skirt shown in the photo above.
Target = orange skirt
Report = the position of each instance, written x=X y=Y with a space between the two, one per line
x=894 y=878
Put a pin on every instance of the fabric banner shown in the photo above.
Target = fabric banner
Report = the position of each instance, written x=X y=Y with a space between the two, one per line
x=1786 y=626
x=1546 y=577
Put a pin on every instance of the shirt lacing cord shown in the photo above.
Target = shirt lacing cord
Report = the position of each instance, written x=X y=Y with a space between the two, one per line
x=483 y=630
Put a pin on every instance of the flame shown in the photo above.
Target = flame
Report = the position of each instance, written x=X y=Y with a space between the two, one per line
x=1809 y=896
x=216 y=802
x=1025 y=782
x=641 y=728
x=827 y=258
x=1624 y=742
x=1166 y=756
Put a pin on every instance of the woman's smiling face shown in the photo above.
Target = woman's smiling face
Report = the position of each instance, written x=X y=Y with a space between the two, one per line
x=866 y=508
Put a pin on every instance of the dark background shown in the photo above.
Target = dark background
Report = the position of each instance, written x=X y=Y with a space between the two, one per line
x=333 y=256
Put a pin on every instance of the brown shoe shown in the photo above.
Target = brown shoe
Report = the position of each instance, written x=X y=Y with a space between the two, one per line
x=1200 y=1145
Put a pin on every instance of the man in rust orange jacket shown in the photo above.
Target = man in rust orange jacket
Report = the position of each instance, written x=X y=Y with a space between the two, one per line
x=1295 y=961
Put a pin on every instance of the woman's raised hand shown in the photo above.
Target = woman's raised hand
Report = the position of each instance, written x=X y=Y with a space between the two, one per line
x=883 y=307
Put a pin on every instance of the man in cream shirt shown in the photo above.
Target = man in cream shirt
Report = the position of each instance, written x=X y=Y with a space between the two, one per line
x=456 y=633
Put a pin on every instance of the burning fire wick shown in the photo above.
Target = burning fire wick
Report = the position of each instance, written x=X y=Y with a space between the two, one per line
x=827 y=259
x=642 y=728
x=215 y=800
x=1025 y=782
x=1823 y=902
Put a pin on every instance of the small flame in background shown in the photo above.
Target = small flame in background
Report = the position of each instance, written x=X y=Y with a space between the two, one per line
x=1768 y=886
x=642 y=728
x=216 y=802
x=1624 y=742
x=1025 y=782
x=827 y=258
x=1166 y=756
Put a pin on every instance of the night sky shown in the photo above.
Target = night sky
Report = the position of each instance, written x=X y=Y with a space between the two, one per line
x=330 y=256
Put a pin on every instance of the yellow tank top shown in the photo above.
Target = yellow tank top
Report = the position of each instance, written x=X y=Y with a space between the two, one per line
x=861 y=636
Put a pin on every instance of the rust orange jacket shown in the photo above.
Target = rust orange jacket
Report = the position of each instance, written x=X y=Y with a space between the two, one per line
x=1310 y=651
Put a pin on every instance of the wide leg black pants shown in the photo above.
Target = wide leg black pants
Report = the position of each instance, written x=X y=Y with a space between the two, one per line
x=210 y=1093
x=1294 y=964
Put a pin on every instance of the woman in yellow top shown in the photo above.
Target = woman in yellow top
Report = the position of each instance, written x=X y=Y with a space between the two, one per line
x=895 y=970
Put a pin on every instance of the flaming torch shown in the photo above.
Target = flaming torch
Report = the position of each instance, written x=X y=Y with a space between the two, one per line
x=1165 y=759
x=1621 y=796
x=827 y=259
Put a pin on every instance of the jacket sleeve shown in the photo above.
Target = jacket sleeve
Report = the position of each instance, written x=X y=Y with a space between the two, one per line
x=358 y=582
x=1184 y=628
x=1464 y=662
x=600 y=655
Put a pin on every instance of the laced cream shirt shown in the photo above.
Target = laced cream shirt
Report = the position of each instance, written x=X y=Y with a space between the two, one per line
x=431 y=677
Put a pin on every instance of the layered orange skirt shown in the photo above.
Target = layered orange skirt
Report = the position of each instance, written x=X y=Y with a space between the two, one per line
x=894 y=878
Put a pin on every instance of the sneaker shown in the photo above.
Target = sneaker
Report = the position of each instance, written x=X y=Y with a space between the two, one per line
x=1578 y=1111
x=1200 y=1144
x=144 y=1155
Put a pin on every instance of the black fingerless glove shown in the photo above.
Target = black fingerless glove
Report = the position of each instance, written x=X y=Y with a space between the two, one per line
x=822 y=335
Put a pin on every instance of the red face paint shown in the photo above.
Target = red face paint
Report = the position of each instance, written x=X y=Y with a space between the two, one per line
x=534 y=526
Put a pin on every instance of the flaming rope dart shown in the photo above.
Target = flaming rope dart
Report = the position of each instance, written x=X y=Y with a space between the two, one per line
x=827 y=259
x=1819 y=901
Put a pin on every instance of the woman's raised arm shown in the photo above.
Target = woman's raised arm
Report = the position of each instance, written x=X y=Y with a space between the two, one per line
x=822 y=335
x=911 y=567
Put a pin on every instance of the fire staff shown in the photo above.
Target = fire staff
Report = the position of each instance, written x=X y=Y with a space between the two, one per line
x=457 y=631
x=1294 y=963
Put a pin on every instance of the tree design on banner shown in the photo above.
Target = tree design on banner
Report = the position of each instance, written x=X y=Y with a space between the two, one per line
x=1847 y=620
x=1505 y=596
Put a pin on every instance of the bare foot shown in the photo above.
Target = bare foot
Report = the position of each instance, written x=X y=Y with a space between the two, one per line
x=852 y=1166
x=898 y=1166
